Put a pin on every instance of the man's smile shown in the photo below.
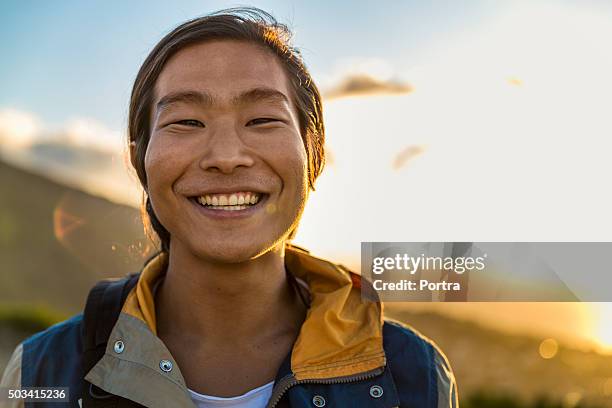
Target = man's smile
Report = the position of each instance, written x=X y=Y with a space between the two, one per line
x=224 y=205
x=230 y=202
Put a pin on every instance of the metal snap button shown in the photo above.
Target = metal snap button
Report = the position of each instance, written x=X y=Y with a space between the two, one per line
x=376 y=391
x=318 y=401
x=165 y=365
x=119 y=347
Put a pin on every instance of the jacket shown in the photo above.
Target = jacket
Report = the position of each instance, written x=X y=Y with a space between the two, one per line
x=346 y=354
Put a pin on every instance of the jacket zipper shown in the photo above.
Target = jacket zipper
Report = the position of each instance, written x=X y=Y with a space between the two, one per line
x=289 y=381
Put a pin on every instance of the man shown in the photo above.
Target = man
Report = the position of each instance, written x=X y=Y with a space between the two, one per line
x=226 y=135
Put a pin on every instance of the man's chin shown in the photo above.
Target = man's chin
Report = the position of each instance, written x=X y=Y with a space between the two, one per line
x=232 y=253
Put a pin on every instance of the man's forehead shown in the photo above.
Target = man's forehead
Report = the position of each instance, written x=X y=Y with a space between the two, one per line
x=223 y=69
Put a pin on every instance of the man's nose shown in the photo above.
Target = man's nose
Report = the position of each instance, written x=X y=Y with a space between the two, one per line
x=226 y=151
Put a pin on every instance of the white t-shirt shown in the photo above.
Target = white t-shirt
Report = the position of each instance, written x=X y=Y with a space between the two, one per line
x=256 y=398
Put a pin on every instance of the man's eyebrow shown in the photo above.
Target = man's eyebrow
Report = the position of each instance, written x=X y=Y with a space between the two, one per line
x=200 y=98
x=254 y=95
x=259 y=95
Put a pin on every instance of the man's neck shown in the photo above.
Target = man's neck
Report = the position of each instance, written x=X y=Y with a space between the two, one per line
x=225 y=303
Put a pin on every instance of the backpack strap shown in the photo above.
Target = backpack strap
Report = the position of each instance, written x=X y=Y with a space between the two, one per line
x=102 y=309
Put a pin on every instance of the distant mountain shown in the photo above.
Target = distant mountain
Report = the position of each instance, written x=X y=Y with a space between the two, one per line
x=70 y=155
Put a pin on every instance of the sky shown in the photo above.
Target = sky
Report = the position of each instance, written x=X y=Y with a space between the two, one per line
x=500 y=132
x=73 y=58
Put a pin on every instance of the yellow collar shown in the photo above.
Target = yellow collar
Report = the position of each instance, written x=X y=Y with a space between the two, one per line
x=342 y=333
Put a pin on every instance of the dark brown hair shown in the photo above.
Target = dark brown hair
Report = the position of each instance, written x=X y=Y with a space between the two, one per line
x=242 y=24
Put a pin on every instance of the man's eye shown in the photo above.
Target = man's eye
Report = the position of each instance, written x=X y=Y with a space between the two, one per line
x=189 y=122
x=261 y=121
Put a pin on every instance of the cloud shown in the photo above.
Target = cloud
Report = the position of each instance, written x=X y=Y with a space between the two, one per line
x=21 y=129
x=81 y=152
x=362 y=84
x=406 y=155
x=87 y=132
x=18 y=128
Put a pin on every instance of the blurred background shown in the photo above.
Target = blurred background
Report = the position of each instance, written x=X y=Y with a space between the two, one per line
x=446 y=121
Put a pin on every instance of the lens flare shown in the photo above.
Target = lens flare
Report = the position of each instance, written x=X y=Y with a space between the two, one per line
x=548 y=348
x=64 y=223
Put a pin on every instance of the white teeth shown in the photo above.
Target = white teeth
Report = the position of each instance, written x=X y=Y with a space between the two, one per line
x=235 y=202
x=229 y=207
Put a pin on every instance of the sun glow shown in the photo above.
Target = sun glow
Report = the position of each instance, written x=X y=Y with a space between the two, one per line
x=604 y=326
x=512 y=124
x=516 y=127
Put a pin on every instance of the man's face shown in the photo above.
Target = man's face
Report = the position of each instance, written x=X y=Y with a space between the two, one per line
x=226 y=166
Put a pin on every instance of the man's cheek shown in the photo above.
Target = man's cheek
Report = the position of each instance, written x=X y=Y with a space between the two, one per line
x=149 y=164
x=159 y=180
x=298 y=159
x=157 y=167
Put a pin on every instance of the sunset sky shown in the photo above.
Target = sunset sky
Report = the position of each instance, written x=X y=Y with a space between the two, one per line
x=489 y=121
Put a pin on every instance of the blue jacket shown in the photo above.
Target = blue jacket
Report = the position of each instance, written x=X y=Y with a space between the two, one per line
x=333 y=363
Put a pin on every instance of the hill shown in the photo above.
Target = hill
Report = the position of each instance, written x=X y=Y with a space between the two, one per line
x=56 y=241
x=499 y=363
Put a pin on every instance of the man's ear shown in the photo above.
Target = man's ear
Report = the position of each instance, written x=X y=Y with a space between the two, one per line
x=133 y=153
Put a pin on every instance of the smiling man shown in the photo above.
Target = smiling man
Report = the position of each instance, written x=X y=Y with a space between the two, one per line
x=226 y=135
